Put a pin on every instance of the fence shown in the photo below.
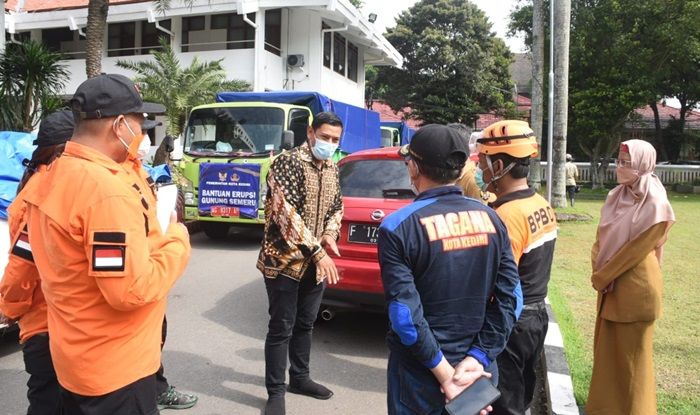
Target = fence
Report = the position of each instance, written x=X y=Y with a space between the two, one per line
x=669 y=174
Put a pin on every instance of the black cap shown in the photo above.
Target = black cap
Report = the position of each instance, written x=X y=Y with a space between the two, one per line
x=56 y=128
x=109 y=95
x=437 y=146
x=148 y=124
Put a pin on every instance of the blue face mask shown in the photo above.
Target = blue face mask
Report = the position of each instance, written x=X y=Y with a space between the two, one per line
x=479 y=177
x=323 y=150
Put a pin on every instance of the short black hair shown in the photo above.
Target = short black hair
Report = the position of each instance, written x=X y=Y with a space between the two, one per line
x=441 y=175
x=521 y=168
x=326 y=117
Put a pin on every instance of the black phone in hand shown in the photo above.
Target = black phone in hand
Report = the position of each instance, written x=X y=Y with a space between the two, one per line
x=476 y=397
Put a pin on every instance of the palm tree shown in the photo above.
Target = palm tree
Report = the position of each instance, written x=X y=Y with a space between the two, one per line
x=562 y=23
x=180 y=89
x=31 y=78
x=94 y=37
x=96 y=25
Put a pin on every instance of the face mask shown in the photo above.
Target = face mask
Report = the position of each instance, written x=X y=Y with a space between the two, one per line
x=133 y=148
x=479 y=177
x=626 y=175
x=144 y=148
x=323 y=150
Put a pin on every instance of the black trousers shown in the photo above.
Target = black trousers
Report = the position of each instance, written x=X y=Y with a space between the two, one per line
x=161 y=382
x=517 y=363
x=571 y=191
x=43 y=391
x=137 y=398
x=293 y=309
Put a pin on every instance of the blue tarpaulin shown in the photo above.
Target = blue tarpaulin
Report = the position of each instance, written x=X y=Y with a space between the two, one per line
x=160 y=173
x=14 y=148
x=361 y=126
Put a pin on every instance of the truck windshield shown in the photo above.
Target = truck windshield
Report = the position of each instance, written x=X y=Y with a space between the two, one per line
x=229 y=130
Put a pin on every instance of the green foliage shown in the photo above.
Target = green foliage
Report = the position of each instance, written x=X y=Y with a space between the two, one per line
x=357 y=3
x=180 y=89
x=31 y=78
x=454 y=67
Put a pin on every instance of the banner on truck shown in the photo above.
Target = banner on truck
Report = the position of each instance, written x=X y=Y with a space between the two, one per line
x=229 y=190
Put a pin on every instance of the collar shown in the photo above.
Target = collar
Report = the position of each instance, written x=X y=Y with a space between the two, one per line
x=307 y=156
x=520 y=194
x=90 y=154
x=440 y=191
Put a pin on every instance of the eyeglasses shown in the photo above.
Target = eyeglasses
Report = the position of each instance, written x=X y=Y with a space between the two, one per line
x=623 y=163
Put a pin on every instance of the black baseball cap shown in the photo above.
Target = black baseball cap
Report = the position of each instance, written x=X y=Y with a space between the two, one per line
x=56 y=128
x=148 y=124
x=437 y=145
x=109 y=95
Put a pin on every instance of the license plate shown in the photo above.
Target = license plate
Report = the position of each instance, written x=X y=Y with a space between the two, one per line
x=225 y=211
x=363 y=234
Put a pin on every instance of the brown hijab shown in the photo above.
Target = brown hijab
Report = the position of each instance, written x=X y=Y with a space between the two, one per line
x=634 y=207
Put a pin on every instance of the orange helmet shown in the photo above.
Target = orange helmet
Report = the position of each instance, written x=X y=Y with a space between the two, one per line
x=512 y=137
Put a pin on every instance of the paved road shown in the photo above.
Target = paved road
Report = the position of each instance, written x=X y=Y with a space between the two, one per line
x=217 y=323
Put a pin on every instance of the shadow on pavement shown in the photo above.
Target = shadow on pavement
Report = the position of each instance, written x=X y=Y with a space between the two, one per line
x=200 y=373
x=340 y=347
x=239 y=239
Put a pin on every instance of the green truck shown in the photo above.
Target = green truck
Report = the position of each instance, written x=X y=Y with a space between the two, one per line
x=228 y=148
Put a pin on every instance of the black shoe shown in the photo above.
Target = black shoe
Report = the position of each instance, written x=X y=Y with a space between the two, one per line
x=275 y=406
x=309 y=388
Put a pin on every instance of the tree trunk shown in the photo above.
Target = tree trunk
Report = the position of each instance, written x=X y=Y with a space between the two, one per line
x=537 y=109
x=96 y=25
x=2 y=24
x=562 y=23
x=658 y=136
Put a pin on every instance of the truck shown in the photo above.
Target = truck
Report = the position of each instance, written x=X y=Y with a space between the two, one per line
x=228 y=147
x=396 y=133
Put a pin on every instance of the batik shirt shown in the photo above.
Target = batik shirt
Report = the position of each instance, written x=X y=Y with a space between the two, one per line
x=302 y=204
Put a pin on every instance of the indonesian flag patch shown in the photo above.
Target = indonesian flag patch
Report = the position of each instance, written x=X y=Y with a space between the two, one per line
x=108 y=258
x=22 y=248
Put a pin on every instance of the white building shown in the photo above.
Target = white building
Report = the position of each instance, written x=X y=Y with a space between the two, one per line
x=309 y=45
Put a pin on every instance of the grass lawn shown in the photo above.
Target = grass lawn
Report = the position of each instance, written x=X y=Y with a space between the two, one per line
x=676 y=345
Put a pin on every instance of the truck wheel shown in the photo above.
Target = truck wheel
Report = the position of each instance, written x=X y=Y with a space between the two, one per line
x=216 y=230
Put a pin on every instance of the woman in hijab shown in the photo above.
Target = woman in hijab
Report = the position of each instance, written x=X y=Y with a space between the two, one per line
x=626 y=258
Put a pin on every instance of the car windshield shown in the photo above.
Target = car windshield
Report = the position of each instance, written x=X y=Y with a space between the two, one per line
x=227 y=130
x=380 y=179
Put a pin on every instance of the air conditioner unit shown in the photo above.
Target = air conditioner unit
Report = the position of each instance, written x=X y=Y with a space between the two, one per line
x=295 y=61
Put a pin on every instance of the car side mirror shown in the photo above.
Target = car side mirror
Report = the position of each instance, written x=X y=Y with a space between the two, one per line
x=287 y=140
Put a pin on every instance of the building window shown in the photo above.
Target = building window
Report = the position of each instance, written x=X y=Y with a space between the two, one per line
x=19 y=37
x=273 y=31
x=339 y=54
x=65 y=41
x=121 y=39
x=327 y=47
x=193 y=25
x=150 y=36
x=352 y=62
x=241 y=35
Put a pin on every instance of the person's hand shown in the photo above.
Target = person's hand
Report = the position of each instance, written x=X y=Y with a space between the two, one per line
x=175 y=222
x=329 y=243
x=325 y=269
x=468 y=371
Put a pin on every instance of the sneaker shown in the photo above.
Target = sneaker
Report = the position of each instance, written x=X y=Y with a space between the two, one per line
x=173 y=399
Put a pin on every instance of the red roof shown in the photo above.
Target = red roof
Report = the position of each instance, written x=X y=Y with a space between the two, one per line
x=50 y=5
x=645 y=117
x=388 y=114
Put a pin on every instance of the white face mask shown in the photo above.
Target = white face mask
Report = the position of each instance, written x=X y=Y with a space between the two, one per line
x=144 y=148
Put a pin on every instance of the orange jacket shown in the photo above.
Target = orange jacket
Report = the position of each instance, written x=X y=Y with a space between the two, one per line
x=21 y=297
x=104 y=280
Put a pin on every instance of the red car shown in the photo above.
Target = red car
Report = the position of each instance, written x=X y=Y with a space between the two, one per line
x=374 y=183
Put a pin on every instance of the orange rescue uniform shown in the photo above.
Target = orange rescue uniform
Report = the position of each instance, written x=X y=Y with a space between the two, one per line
x=21 y=297
x=104 y=280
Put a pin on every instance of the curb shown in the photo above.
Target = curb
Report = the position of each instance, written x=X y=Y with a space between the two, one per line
x=560 y=388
